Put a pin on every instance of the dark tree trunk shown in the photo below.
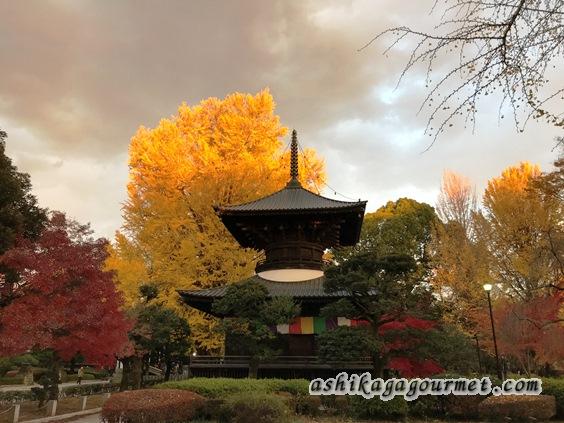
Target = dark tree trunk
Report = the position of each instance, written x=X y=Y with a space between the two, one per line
x=168 y=370
x=253 y=368
x=378 y=365
x=132 y=375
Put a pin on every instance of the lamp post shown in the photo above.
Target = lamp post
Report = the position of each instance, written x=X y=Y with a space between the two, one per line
x=488 y=288
x=478 y=352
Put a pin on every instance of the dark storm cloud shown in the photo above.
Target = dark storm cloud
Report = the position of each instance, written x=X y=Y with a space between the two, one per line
x=79 y=77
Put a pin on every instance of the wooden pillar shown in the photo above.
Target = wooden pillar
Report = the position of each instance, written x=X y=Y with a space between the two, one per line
x=16 y=413
x=52 y=408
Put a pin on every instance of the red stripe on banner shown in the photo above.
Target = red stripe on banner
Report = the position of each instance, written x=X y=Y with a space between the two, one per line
x=295 y=327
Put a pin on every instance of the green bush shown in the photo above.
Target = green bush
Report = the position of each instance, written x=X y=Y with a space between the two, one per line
x=555 y=387
x=222 y=387
x=73 y=378
x=375 y=408
x=16 y=380
x=97 y=373
x=255 y=407
x=426 y=406
x=15 y=363
x=152 y=406
x=80 y=390
x=306 y=405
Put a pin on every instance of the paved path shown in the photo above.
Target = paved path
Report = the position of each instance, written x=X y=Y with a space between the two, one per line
x=92 y=418
x=12 y=388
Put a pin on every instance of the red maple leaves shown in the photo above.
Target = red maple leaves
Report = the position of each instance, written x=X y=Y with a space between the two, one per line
x=403 y=338
x=64 y=300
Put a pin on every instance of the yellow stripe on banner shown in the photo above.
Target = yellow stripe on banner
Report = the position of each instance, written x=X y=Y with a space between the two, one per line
x=307 y=325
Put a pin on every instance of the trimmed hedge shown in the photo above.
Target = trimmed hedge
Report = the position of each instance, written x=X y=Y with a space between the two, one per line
x=74 y=377
x=555 y=387
x=255 y=407
x=13 y=380
x=152 y=406
x=223 y=387
x=69 y=391
x=518 y=407
x=374 y=408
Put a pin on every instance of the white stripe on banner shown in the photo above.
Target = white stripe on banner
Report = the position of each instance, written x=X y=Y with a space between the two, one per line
x=283 y=328
x=343 y=321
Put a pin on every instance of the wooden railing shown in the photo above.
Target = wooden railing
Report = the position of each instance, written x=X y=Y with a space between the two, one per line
x=276 y=362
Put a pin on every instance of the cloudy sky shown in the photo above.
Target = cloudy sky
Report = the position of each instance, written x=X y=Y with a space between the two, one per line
x=78 y=78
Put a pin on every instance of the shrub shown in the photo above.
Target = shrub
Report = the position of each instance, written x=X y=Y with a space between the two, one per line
x=211 y=410
x=96 y=373
x=518 y=407
x=80 y=390
x=426 y=406
x=462 y=406
x=306 y=405
x=375 y=408
x=14 y=380
x=254 y=407
x=222 y=387
x=555 y=387
x=17 y=362
x=292 y=386
x=74 y=377
x=152 y=406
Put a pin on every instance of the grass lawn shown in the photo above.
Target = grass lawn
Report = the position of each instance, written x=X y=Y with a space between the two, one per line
x=29 y=410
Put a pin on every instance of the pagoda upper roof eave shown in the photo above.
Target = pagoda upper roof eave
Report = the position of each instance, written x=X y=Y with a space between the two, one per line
x=291 y=201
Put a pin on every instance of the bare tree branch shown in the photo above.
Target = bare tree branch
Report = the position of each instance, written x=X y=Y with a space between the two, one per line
x=503 y=46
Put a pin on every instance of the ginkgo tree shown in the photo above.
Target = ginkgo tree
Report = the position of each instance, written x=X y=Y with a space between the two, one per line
x=221 y=151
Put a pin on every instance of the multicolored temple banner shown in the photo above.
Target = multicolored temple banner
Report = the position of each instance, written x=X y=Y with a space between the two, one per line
x=316 y=325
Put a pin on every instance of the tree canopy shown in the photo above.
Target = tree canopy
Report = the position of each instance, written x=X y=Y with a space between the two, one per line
x=386 y=292
x=515 y=242
x=221 y=151
x=160 y=336
x=20 y=216
x=252 y=313
x=64 y=301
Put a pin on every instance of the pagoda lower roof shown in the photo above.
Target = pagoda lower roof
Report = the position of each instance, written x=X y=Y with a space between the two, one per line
x=312 y=288
x=292 y=199
x=305 y=292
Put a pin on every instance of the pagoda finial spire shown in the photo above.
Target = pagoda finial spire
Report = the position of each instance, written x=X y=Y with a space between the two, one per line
x=294 y=170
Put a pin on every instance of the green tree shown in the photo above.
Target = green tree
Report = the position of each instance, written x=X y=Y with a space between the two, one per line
x=160 y=335
x=401 y=227
x=19 y=215
x=383 y=291
x=385 y=271
x=251 y=313
x=345 y=344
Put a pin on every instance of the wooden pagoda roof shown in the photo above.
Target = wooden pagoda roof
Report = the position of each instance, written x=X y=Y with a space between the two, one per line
x=292 y=200
x=309 y=290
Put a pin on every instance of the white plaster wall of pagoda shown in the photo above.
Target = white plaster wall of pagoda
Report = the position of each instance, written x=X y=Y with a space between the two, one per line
x=290 y=275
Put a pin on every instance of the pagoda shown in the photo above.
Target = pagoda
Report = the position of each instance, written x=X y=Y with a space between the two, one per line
x=294 y=227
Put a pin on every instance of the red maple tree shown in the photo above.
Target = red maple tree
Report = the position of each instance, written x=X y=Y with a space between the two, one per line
x=64 y=301
x=532 y=332
x=402 y=337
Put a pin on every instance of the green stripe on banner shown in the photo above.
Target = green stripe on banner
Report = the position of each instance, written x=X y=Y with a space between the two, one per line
x=319 y=325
